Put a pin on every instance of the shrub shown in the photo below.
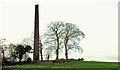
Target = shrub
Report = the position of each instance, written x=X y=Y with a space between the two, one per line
x=28 y=60
x=81 y=59
x=59 y=61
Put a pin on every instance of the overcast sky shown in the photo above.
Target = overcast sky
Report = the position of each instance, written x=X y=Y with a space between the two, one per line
x=98 y=19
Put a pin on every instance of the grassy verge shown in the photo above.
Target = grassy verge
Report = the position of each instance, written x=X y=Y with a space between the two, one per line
x=73 y=64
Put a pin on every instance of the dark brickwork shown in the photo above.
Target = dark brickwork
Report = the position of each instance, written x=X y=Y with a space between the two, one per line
x=36 y=35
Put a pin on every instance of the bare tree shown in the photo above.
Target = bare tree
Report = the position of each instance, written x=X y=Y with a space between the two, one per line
x=12 y=52
x=54 y=34
x=72 y=36
x=3 y=47
x=48 y=53
x=41 y=48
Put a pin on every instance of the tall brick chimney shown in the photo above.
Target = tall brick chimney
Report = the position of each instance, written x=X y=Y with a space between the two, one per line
x=36 y=35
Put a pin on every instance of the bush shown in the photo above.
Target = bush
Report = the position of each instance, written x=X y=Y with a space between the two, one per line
x=71 y=59
x=59 y=61
x=28 y=60
x=81 y=59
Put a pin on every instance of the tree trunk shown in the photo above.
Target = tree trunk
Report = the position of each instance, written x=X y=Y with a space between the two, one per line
x=3 y=55
x=57 y=54
x=48 y=57
x=41 y=54
x=66 y=52
x=20 y=60
x=57 y=50
x=20 y=57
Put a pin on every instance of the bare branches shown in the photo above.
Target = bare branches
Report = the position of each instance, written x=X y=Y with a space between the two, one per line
x=2 y=40
x=67 y=34
x=72 y=36
x=53 y=35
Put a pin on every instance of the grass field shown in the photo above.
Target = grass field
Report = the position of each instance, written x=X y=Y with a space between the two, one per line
x=72 y=64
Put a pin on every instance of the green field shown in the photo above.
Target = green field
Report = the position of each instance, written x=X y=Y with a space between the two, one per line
x=72 y=64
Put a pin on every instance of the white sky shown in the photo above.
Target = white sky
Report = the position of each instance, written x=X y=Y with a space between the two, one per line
x=98 y=19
